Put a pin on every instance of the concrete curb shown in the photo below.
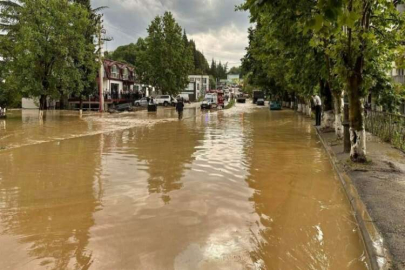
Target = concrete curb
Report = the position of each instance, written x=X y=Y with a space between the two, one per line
x=378 y=254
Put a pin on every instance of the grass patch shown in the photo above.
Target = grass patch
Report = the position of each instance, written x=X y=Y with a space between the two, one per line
x=230 y=104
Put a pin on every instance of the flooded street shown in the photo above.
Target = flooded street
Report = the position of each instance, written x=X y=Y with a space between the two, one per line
x=244 y=188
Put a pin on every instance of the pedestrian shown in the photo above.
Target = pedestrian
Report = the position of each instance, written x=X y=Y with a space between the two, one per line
x=318 y=109
x=179 y=108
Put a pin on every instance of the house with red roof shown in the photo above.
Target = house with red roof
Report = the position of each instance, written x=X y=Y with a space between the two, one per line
x=119 y=86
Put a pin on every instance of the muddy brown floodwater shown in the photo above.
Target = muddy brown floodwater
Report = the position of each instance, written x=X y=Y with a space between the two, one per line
x=244 y=188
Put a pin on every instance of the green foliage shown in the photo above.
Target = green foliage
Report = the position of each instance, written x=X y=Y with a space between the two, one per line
x=168 y=58
x=298 y=43
x=230 y=104
x=125 y=53
x=235 y=70
x=46 y=49
x=218 y=70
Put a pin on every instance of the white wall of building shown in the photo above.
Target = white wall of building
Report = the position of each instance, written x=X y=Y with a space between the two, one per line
x=30 y=103
x=202 y=82
x=107 y=85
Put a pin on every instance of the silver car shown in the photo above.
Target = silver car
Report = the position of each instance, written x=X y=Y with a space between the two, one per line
x=141 y=102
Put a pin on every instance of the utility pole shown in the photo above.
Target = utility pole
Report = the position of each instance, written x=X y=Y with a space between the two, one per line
x=101 y=70
x=101 y=31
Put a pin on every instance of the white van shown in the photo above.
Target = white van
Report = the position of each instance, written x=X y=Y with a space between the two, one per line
x=185 y=97
x=165 y=100
x=210 y=101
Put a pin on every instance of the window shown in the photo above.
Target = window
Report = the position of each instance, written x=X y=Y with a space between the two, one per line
x=400 y=72
x=125 y=74
x=205 y=80
x=192 y=79
x=114 y=71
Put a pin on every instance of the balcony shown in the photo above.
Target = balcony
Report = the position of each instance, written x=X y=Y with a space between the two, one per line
x=121 y=77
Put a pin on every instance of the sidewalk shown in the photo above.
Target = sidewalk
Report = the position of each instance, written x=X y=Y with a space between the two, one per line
x=380 y=185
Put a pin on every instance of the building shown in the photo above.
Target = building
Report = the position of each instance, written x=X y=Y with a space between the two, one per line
x=191 y=91
x=118 y=79
x=202 y=83
x=233 y=79
x=119 y=86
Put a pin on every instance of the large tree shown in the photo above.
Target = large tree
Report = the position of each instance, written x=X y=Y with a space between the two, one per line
x=345 y=44
x=169 y=59
x=46 y=48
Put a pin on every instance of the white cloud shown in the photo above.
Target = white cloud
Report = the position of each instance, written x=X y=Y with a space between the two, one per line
x=226 y=44
x=218 y=30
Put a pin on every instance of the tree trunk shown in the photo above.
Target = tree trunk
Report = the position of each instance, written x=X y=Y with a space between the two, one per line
x=356 y=117
x=42 y=106
x=81 y=106
x=338 y=103
x=328 y=118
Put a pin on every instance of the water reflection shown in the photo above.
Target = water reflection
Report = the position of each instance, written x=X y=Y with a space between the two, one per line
x=167 y=154
x=237 y=189
x=304 y=215
x=48 y=197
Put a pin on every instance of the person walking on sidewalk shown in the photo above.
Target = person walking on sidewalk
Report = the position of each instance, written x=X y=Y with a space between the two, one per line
x=318 y=109
x=179 y=108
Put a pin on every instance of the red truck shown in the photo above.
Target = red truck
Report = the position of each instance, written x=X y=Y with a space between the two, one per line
x=221 y=98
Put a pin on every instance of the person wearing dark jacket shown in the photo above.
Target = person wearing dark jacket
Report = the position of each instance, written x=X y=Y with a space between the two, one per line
x=179 y=108
x=318 y=109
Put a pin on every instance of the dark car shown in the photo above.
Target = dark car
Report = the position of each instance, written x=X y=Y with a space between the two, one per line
x=260 y=102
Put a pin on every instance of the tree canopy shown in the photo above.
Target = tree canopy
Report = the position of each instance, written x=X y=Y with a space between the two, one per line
x=298 y=48
x=46 y=48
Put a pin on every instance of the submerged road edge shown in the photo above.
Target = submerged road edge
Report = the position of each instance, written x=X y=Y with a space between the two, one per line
x=378 y=254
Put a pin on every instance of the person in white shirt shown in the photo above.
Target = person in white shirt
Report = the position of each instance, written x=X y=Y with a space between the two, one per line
x=318 y=109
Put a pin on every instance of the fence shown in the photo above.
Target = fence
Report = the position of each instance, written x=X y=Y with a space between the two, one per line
x=389 y=127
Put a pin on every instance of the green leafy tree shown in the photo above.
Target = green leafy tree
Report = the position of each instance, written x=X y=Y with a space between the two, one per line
x=325 y=46
x=51 y=54
x=125 y=53
x=168 y=67
x=367 y=35
x=235 y=70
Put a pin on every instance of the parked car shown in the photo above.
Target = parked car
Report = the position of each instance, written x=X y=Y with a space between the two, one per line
x=141 y=102
x=165 y=100
x=260 y=102
x=275 y=105
x=173 y=101
x=210 y=101
x=185 y=97
x=121 y=108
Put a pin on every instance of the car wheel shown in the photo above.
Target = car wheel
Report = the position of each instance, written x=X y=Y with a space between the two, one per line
x=137 y=104
x=165 y=104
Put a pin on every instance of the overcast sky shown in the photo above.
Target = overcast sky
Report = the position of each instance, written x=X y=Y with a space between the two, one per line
x=218 y=30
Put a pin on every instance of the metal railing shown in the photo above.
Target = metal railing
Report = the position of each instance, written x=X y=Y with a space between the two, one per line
x=399 y=79
x=387 y=126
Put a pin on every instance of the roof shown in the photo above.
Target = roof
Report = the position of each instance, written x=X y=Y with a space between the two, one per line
x=120 y=65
